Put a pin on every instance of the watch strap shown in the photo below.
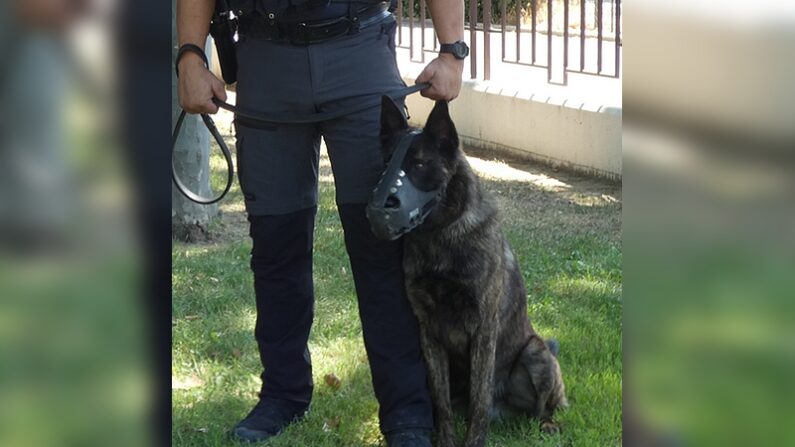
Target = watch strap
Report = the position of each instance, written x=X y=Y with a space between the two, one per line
x=190 y=48
x=453 y=48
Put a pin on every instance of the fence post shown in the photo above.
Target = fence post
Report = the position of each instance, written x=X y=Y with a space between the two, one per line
x=422 y=30
x=583 y=26
x=487 y=39
x=618 y=36
x=473 y=38
x=533 y=20
x=549 y=40
x=599 y=36
x=503 y=23
x=399 y=14
x=565 y=41
x=411 y=30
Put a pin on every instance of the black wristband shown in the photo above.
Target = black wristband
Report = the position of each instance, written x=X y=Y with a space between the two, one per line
x=189 y=47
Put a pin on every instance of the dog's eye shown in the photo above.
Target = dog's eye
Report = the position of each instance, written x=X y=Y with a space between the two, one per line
x=419 y=164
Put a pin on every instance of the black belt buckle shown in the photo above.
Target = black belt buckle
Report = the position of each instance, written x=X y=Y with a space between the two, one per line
x=303 y=33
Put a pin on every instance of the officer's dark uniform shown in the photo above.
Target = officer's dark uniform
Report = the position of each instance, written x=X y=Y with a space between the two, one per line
x=278 y=173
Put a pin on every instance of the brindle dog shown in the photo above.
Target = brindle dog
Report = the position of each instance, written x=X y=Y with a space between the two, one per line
x=467 y=291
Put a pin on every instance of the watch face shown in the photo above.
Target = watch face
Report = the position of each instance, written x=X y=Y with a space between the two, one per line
x=461 y=49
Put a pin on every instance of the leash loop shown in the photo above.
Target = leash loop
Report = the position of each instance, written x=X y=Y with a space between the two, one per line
x=230 y=173
x=368 y=103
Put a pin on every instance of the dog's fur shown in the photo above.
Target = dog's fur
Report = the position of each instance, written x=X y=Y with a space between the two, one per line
x=467 y=291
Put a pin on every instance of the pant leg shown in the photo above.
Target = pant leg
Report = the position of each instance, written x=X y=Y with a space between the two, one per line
x=277 y=163
x=281 y=260
x=391 y=335
x=277 y=169
x=363 y=65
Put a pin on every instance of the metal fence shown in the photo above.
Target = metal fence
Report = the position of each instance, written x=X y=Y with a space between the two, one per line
x=562 y=36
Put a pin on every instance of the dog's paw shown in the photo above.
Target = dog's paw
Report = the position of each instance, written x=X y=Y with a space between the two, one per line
x=550 y=427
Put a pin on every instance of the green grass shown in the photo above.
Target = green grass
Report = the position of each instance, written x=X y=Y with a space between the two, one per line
x=567 y=241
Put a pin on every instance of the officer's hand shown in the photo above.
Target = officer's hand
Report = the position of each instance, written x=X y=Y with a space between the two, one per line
x=198 y=86
x=444 y=75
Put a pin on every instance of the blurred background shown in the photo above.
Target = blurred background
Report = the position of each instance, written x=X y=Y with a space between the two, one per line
x=77 y=285
x=709 y=223
x=709 y=201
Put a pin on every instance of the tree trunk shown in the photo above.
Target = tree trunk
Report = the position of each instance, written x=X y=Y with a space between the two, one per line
x=189 y=220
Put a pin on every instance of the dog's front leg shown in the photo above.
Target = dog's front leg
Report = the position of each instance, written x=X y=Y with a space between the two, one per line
x=439 y=377
x=481 y=387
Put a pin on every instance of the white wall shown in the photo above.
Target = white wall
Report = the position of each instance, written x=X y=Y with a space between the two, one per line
x=574 y=136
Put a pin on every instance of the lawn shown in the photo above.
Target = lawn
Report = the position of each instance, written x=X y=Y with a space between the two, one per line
x=565 y=231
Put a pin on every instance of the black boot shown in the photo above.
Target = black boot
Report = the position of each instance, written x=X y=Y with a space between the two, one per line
x=409 y=438
x=268 y=418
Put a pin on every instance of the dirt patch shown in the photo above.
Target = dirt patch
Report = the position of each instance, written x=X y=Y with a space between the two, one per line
x=546 y=198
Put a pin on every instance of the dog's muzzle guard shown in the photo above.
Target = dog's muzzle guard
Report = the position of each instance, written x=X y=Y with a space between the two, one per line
x=397 y=206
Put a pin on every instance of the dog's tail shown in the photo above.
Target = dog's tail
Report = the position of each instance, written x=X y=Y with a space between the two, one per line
x=541 y=363
x=554 y=346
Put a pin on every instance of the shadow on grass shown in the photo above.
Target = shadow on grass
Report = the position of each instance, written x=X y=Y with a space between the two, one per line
x=344 y=416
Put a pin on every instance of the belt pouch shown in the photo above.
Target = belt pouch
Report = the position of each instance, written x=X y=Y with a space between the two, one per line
x=223 y=29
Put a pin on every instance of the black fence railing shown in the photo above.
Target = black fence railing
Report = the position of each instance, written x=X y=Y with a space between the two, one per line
x=562 y=36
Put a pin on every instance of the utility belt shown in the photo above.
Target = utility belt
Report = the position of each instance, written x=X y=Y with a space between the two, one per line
x=310 y=32
x=228 y=25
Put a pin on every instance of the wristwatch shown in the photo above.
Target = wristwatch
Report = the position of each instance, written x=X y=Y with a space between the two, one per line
x=459 y=49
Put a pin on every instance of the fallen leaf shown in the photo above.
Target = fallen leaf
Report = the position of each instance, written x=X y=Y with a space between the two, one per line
x=191 y=317
x=331 y=424
x=236 y=353
x=332 y=381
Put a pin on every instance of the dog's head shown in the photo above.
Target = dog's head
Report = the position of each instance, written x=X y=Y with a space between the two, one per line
x=419 y=165
x=433 y=155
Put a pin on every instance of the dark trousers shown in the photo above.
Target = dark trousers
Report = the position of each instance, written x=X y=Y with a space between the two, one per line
x=282 y=265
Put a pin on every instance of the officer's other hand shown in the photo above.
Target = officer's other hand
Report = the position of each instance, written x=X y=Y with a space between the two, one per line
x=444 y=75
x=198 y=86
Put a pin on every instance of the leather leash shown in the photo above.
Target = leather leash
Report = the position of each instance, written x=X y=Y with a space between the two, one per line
x=367 y=103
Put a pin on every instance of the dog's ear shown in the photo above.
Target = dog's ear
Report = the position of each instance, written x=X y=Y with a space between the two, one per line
x=441 y=129
x=392 y=120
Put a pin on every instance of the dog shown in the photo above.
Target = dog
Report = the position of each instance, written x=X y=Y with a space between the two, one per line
x=467 y=291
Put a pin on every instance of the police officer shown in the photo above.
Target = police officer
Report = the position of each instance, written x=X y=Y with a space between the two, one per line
x=303 y=57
